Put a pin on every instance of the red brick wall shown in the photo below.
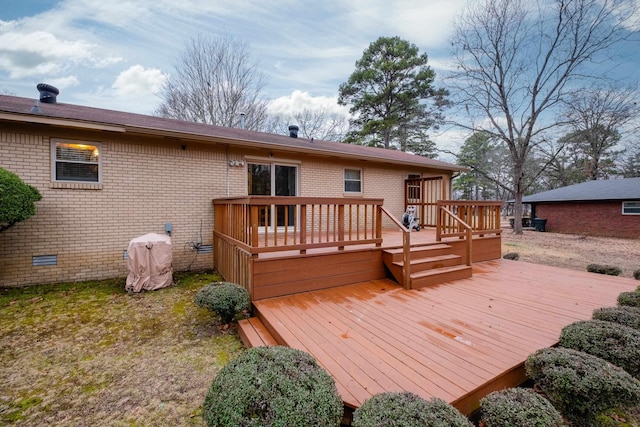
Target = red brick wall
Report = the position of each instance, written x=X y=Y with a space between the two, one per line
x=589 y=218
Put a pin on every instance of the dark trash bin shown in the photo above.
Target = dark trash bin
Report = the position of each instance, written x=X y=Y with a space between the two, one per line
x=540 y=224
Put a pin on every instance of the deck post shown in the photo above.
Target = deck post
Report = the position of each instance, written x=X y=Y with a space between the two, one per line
x=406 y=258
x=438 y=222
x=303 y=227
x=341 y=225
x=253 y=221
x=379 y=224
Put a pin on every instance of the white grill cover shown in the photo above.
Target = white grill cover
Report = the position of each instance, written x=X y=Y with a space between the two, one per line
x=150 y=259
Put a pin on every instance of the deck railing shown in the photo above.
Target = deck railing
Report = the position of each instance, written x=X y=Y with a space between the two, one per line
x=259 y=224
x=467 y=218
x=483 y=217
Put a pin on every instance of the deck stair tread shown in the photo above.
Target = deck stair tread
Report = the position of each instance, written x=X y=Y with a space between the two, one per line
x=433 y=259
x=437 y=276
x=254 y=333
x=417 y=249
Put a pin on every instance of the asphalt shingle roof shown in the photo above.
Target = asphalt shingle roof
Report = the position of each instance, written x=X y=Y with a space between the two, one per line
x=611 y=189
x=20 y=109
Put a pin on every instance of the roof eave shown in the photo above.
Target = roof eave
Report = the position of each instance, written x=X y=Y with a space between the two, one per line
x=202 y=137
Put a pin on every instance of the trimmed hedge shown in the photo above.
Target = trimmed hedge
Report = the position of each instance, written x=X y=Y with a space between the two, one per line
x=604 y=269
x=274 y=387
x=580 y=385
x=518 y=407
x=394 y=409
x=623 y=315
x=629 y=299
x=612 y=342
x=224 y=298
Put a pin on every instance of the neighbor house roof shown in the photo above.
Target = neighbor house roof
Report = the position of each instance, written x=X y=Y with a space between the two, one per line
x=75 y=116
x=611 y=189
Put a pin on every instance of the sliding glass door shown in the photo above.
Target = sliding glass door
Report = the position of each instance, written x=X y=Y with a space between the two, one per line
x=271 y=179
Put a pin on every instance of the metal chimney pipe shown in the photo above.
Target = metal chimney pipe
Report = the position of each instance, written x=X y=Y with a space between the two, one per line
x=242 y=120
x=293 y=131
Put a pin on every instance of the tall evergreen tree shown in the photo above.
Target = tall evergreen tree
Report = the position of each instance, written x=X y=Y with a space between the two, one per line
x=392 y=98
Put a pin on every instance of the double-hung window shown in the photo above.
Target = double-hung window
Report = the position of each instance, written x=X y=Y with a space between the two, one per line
x=75 y=161
x=353 y=181
x=630 y=208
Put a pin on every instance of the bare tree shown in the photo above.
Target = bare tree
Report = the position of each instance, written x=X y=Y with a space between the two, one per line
x=215 y=81
x=597 y=116
x=516 y=62
x=313 y=123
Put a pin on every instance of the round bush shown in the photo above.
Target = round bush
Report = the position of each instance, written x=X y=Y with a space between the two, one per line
x=224 y=298
x=512 y=255
x=612 y=342
x=273 y=387
x=623 y=315
x=393 y=409
x=604 y=269
x=521 y=407
x=630 y=299
x=580 y=385
x=636 y=274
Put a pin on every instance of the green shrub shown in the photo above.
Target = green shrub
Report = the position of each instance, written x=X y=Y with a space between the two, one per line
x=393 y=409
x=612 y=342
x=629 y=299
x=636 y=274
x=623 y=315
x=273 y=386
x=604 y=269
x=512 y=255
x=580 y=385
x=224 y=298
x=17 y=199
x=518 y=407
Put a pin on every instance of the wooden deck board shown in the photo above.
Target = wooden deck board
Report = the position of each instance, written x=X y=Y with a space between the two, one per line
x=457 y=341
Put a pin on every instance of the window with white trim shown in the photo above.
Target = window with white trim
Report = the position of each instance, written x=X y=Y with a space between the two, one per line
x=630 y=208
x=75 y=161
x=353 y=181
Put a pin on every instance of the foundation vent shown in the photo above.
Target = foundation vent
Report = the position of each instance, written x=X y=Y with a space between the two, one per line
x=44 y=260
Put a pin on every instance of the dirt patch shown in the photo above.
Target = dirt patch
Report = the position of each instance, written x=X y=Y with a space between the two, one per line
x=573 y=252
x=90 y=354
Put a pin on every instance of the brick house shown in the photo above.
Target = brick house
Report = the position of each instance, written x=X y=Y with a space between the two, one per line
x=108 y=176
x=608 y=208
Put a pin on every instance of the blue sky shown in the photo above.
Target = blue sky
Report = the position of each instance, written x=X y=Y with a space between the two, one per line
x=115 y=53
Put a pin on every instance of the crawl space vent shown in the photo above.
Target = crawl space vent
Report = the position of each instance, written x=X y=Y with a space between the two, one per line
x=44 y=260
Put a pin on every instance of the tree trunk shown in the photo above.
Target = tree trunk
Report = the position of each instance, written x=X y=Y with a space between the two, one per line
x=517 y=207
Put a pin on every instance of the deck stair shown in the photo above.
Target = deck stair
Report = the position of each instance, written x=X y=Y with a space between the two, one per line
x=431 y=264
x=254 y=333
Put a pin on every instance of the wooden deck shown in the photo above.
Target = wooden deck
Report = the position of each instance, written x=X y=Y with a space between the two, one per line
x=457 y=341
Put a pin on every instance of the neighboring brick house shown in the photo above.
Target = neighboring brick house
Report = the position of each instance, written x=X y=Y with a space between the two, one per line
x=595 y=208
x=107 y=177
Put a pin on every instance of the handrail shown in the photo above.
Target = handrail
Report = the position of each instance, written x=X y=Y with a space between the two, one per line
x=467 y=227
x=406 y=248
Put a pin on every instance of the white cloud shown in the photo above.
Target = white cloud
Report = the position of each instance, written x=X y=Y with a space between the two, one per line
x=38 y=52
x=35 y=53
x=298 y=101
x=64 y=82
x=138 y=81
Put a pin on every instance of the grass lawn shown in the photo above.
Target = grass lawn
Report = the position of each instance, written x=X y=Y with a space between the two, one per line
x=88 y=354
